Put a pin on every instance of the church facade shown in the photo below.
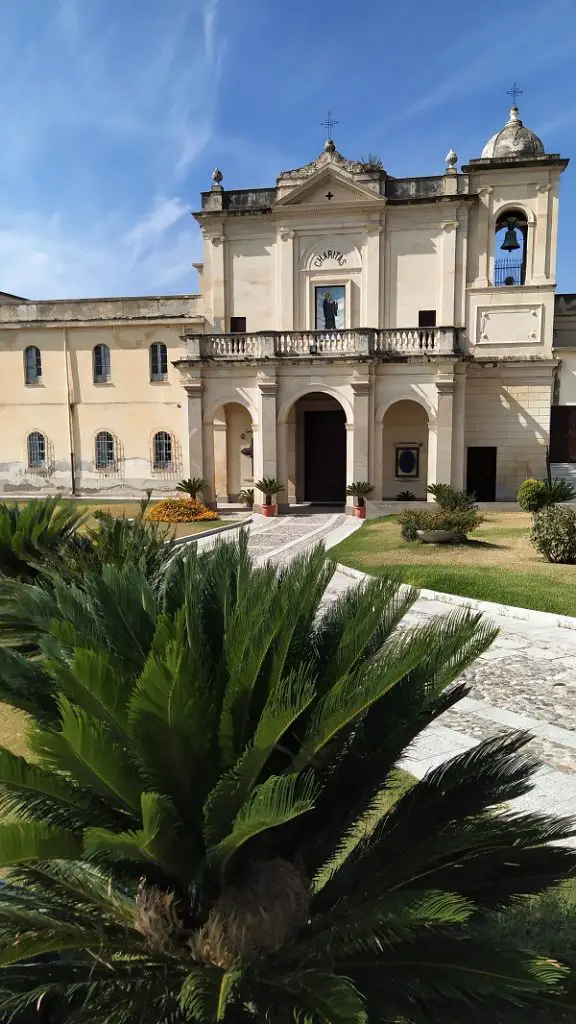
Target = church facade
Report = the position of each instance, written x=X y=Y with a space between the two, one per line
x=350 y=326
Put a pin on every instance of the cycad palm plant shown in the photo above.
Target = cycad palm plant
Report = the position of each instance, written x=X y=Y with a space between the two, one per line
x=33 y=531
x=204 y=830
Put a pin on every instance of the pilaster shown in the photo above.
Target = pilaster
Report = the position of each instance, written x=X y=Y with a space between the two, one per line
x=541 y=240
x=285 y=246
x=221 y=484
x=447 y=282
x=358 y=437
x=194 y=462
x=458 y=424
x=217 y=243
x=370 y=314
x=440 y=465
x=484 y=232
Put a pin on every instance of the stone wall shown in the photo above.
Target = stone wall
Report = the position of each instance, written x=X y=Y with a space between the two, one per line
x=510 y=409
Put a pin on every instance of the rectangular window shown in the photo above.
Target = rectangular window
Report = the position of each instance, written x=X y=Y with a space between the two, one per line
x=158 y=361
x=237 y=325
x=426 y=318
x=32 y=365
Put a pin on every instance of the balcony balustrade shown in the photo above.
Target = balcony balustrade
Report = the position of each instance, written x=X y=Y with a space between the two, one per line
x=347 y=344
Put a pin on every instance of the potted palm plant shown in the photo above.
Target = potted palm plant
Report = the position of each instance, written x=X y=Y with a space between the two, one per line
x=192 y=487
x=246 y=496
x=360 y=491
x=269 y=487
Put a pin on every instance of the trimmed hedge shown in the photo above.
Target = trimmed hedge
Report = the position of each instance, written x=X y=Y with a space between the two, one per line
x=459 y=521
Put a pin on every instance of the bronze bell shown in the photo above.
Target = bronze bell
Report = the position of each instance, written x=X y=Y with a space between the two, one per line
x=510 y=238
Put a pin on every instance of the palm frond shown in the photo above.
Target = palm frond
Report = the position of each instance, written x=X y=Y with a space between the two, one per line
x=24 y=841
x=282 y=710
x=277 y=801
x=86 y=749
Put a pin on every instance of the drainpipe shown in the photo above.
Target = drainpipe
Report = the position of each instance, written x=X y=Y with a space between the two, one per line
x=70 y=408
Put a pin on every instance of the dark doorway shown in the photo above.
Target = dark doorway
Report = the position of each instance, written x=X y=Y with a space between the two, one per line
x=325 y=457
x=563 y=433
x=481 y=473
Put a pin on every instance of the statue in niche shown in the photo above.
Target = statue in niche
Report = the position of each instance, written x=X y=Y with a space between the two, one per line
x=330 y=301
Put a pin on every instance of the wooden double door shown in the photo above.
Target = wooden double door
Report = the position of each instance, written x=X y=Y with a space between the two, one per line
x=325 y=457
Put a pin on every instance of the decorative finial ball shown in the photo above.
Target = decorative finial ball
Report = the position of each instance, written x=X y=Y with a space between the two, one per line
x=329 y=146
x=217 y=175
x=451 y=158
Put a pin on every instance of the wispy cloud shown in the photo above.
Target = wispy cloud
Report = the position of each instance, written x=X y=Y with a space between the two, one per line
x=95 y=148
x=44 y=258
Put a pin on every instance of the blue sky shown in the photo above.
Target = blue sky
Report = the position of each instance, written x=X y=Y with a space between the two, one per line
x=114 y=113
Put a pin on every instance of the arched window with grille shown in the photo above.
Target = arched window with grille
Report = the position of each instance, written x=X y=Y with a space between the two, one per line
x=36 y=444
x=32 y=365
x=101 y=364
x=511 y=248
x=158 y=361
x=105 y=451
x=162 y=457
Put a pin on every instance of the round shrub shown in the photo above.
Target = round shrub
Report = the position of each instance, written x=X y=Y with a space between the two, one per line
x=180 y=510
x=532 y=495
x=553 y=534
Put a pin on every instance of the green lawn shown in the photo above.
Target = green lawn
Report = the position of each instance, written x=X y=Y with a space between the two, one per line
x=129 y=509
x=498 y=563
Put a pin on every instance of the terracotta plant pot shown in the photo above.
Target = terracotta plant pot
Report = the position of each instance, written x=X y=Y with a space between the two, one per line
x=360 y=511
x=268 y=510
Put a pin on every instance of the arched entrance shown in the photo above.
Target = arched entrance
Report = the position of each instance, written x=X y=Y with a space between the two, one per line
x=317 y=450
x=233 y=451
x=405 y=450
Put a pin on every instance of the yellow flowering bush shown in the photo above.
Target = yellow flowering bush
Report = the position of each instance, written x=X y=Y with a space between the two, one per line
x=180 y=510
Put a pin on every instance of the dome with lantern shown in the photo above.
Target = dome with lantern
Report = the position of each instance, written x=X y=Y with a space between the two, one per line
x=514 y=140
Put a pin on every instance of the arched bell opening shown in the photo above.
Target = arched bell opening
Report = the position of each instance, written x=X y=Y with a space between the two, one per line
x=511 y=248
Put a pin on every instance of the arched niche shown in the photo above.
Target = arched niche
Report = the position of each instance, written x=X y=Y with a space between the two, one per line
x=405 y=427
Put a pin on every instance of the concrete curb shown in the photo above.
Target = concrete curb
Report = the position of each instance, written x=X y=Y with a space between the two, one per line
x=546 y=619
x=180 y=541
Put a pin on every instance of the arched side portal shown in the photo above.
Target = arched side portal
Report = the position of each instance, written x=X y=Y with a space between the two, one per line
x=316 y=443
x=405 y=450
x=233 y=451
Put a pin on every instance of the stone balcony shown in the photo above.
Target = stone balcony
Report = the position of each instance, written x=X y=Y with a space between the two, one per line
x=358 y=343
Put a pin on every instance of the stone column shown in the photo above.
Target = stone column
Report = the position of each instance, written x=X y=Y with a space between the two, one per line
x=194 y=462
x=440 y=451
x=447 y=280
x=285 y=291
x=265 y=452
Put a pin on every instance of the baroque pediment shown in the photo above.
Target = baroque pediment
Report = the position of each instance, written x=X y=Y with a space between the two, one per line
x=328 y=186
x=328 y=158
x=330 y=178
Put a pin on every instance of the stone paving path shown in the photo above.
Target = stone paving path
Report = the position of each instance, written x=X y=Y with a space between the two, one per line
x=526 y=680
